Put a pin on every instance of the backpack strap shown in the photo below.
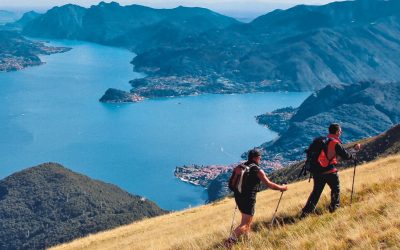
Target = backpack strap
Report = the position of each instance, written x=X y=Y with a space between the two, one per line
x=252 y=165
x=246 y=168
x=331 y=151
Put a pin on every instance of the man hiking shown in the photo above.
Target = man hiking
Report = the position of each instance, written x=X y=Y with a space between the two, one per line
x=329 y=174
x=246 y=198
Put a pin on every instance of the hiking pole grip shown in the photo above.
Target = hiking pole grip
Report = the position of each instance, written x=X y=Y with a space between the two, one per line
x=352 y=186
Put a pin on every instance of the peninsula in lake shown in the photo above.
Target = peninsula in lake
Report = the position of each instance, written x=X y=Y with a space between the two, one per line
x=17 y=52
x=189 y=51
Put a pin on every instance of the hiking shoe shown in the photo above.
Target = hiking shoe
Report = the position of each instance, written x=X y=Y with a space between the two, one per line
x=228 y=243
x=304 y=215
x=332 y=209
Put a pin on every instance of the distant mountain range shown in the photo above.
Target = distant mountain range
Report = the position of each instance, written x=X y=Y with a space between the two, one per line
x=302 y=48
x=7 y=17
x=135 y=27
x=188 y=51
x=21 y=22
x=49 y=204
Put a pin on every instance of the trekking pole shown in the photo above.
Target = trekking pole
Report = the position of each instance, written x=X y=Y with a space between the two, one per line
x=273 y=217
x=233 y=220
x=352 y=187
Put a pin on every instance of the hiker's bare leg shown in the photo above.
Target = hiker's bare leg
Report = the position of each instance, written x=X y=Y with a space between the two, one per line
x=244 y=227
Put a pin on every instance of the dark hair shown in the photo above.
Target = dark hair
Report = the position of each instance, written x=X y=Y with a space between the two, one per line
x=333 y=128
x=253 y=153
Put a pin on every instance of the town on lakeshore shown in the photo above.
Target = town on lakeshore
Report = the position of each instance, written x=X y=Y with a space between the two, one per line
x=200 y=175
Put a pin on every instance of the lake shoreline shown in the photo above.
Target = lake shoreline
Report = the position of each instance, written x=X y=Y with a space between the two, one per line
x=135 y=147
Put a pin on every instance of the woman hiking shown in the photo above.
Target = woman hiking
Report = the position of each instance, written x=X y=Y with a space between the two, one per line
x=246 y=198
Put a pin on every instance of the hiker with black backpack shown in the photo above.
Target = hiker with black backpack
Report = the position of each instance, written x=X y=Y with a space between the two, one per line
x=245 y=182
x=321 y=162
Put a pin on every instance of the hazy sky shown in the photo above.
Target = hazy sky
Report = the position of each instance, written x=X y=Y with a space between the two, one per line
x=223 y=6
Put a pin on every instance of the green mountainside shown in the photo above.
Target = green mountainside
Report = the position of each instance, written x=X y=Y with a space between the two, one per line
x=302 y=48
x=364 y=109
x=49 y=204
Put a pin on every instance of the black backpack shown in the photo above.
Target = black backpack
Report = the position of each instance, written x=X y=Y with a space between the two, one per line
x=318 y=149
x=238 y=181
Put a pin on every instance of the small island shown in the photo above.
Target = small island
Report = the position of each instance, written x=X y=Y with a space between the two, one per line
x=119 y=96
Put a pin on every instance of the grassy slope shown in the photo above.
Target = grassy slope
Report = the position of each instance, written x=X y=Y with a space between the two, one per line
x=372 y=222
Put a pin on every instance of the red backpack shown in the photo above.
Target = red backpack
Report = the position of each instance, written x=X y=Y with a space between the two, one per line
x=320 y=155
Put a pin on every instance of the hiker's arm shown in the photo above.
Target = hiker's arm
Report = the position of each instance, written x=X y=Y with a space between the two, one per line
x=270 y=184
x=342 y=152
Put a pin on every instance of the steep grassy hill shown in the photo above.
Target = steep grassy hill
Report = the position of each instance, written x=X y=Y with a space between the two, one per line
x=382 y=145
x=49 y=204
x=372 y=222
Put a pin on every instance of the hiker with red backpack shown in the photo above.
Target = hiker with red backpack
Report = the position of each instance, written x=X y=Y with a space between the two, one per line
x=245 y=182
x=322 y=158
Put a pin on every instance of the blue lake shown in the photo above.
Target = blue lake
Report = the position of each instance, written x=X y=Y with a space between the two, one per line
x=52 y=113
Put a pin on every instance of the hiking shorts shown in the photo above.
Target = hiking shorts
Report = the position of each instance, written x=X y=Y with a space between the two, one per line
x=246 y=204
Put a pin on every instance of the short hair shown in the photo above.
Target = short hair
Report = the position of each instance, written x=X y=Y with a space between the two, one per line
x=253 y=153
x=333 y=128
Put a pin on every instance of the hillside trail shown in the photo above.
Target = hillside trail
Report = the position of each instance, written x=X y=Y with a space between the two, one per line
x=372 y=222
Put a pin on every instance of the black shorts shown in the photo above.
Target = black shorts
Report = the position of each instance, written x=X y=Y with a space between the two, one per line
x=246 y=204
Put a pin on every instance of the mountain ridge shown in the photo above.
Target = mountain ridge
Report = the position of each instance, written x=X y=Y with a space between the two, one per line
x=269 y=55
x=134 y=27
x=190 y=51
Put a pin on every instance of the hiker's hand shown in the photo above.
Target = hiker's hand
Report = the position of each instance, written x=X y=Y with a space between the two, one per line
x=357 y=146
x=283 y=188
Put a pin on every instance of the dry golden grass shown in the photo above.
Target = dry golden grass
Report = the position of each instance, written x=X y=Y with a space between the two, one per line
x=372 y=222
